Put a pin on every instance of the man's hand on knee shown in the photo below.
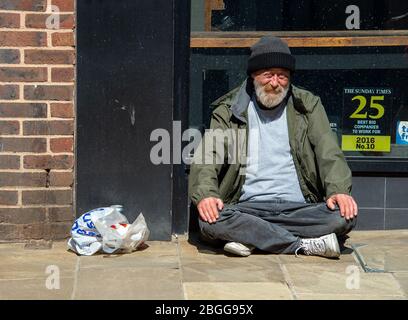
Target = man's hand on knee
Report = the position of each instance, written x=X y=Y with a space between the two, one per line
x=208 y=209
x=347 y=205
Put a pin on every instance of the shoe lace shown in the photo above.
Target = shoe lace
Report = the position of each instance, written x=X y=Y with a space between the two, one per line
x=311 y=247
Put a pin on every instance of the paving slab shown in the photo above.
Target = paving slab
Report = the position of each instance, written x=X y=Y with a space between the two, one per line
x=232 y=270
x=341 y=279
x=236 y=291
x=155 y=255
x=386 y=258
x=19 y=263
x=384 y=236
x=383 y=250
x=129 y=284
x=11 y=247
x=35 y=289
x=151 y=273
x=132 y=260
x=303 y=259
x=402 y=279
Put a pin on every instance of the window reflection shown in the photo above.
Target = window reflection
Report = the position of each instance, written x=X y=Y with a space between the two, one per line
x=297 y=15
x=324 y=71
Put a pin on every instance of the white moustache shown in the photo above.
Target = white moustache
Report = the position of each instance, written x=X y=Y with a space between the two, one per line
x=270 y=98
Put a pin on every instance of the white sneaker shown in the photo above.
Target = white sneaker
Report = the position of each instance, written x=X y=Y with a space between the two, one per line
x=325 y=246
x=239 y=249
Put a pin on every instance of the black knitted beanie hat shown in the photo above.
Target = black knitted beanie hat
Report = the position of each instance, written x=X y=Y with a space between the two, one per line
x=270 y=52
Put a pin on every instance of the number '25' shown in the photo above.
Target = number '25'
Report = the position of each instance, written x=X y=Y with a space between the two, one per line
x=363 y=102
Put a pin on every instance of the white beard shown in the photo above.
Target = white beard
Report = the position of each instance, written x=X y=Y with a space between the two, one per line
x=270 y=99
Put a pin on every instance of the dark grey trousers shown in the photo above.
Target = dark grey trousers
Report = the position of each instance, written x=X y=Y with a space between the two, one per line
x=275 y=226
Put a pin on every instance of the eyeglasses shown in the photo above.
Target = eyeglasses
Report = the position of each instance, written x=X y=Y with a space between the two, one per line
x=268 y=75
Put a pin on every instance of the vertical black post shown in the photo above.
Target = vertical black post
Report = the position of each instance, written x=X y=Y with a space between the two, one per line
x=181 y=103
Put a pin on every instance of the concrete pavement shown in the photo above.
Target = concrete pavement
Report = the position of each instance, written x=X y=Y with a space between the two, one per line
x=373 y=266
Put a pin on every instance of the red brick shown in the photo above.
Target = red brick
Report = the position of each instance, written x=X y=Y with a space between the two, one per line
x=9 y=20
x=9 y=127
x=61 y=214
x=23 y=179
x=62 y=74
x=24 y=5
x=62 y=110
x=58 y=231
x=48 y=162
x=66 y=21
x=25 y=74
x=63 y=39
x=23 y=144
x=45 y=231
x=49 y=56
x=45 y=92
x=61 y=230
x=8 y=198
x=60 y=145
x=47 y=197
x=61 y=179
x=23 y=110
x=9 y=56
x=22 y=215
x=23 y=39
x=9 y=92
x=36 y=231
x=64 y=5
x=10 y=232
x=9 y=162
x=54 y=127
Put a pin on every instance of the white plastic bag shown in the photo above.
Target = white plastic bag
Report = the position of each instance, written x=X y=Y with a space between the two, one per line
x=108 y=230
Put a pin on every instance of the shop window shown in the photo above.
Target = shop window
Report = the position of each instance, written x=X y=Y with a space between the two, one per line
x=297 y=15
x=361 y=75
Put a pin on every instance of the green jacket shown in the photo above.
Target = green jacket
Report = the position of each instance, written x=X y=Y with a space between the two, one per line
x=320 y=164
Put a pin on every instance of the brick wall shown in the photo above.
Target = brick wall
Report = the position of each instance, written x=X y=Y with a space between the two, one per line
x=36 y=119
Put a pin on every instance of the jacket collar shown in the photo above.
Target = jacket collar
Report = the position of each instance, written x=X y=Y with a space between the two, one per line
x=241 y=101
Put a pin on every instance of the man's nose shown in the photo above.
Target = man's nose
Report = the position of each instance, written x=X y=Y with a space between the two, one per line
x=274 y=81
